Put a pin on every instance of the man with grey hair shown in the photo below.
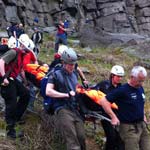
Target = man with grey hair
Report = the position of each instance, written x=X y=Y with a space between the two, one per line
x=131 y=119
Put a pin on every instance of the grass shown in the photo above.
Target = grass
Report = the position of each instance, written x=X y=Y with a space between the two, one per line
x=40 y=133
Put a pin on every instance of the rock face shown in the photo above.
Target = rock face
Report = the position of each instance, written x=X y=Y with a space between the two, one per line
x=25 y=11
x=98 y=16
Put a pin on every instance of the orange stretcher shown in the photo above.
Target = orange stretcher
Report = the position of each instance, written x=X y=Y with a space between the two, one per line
x=37 y=70
x=95 y=95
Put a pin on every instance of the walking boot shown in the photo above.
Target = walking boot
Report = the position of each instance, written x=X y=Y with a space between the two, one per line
x=11 y=133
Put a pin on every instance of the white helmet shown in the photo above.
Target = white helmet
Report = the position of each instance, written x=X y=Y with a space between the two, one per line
x=117 y=70
x=30 y=45
x=61 y=49
x=12 y=42
x=23 y=39
x=27 y=42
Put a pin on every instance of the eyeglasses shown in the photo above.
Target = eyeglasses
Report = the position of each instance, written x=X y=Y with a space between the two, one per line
x=139 y=80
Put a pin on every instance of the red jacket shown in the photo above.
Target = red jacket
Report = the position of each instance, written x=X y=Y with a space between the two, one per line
x=28 y=58
x=22 y=59
x=16 y=65
x=61 y=29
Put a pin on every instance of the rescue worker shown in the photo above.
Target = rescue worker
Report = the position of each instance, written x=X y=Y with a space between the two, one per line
x=57 y=56
x=27 y=45
x=58 y=61
x=15 y=94
x=61 y=87
x=113 y=140
x=131 y=118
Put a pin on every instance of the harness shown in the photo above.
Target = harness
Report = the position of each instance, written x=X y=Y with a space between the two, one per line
x=66 y=86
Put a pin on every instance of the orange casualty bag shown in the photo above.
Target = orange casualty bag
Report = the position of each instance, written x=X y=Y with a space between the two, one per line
x=94 y=95
x=37 y=70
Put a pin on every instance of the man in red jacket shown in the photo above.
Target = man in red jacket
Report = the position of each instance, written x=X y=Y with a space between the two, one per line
x=61 y=36
x=15 y=94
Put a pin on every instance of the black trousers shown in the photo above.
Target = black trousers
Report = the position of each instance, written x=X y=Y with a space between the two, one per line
x=113 y=139
x=16 y=98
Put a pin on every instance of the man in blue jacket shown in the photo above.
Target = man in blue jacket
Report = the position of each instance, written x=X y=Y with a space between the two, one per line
x=113 y=140
x=131 y=118
x=61 y=87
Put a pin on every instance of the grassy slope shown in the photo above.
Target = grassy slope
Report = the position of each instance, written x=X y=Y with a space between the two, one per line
x=39 y=135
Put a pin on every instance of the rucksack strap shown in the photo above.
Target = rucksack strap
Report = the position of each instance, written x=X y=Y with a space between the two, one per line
x=72 y=102
x=7 y=74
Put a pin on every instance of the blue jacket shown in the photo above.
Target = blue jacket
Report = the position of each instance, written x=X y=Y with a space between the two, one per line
x=64 y=82
x=130 y=102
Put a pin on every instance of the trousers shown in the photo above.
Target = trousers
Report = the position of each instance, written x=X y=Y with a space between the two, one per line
x=16 y=98
x=113 y=139
x=60 y=39
x=135 y=136
x=72 y=129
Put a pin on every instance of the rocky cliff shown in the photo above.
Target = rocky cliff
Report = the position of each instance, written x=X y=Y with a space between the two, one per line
x=98 y=16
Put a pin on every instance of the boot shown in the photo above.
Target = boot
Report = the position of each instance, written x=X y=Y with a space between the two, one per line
x=11 y=132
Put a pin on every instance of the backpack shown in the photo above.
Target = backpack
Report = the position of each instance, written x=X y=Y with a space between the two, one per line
x=48 y=101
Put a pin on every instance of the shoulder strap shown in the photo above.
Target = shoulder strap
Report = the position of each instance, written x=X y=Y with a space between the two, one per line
x=66 y=82
x=9 y=71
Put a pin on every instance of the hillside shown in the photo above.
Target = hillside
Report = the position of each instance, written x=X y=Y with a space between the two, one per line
x=40 y=133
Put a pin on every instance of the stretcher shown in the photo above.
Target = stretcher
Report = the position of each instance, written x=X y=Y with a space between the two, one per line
x=90 y=104
x=89 y=99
